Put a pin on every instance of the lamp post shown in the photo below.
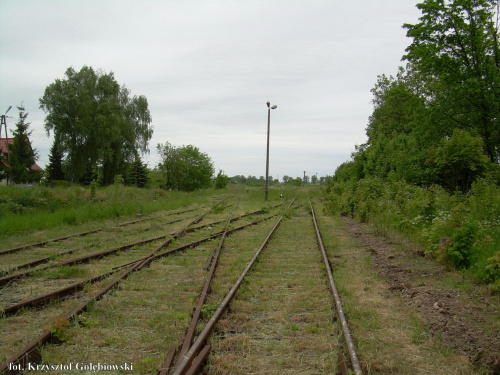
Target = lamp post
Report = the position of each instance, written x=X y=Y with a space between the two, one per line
x=267 y=155
x=4 y=123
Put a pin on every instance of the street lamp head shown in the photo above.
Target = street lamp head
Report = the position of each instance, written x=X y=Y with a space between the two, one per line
x=274 y=107
x=268 y=104
x=8 y=109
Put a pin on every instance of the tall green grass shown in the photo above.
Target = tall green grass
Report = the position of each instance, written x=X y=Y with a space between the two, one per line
x=39 y=208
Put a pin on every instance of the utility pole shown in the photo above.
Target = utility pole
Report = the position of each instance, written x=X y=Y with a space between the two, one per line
x=304 y=177
x=267 y=155
x=4 y=123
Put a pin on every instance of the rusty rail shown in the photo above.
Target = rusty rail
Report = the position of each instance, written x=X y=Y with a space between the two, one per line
x=43 y=243
x=186 y=364
x=4 y=280
x=30 y=353
x=58 y=294
x=71 y=289
x=351 y=348
x=213 y=259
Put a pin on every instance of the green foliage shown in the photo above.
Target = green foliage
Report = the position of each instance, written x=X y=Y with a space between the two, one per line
x=93 y=189
x=437 y=121
x=460 y=160
x=470 y=221
x=118 y=180
x=54 y=170
x=221 y=180
x=493 y=268
x=59 y=329
x=456 y=53
x=137 y=174
x=22 y=156
x=294 y=182
x=459 y=253
x=96 y=123
x=185 y=168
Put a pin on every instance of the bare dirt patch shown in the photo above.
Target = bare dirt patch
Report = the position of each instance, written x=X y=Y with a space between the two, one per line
x=453 y=308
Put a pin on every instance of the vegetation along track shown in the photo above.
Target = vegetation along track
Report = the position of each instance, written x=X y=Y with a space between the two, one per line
x=52 y=322
x=281 y=319
x=281 y=322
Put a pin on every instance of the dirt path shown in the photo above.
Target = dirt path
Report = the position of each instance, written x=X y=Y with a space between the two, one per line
x=463 y=315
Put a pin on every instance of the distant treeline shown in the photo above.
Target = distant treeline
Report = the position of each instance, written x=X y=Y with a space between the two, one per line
x=297 y=181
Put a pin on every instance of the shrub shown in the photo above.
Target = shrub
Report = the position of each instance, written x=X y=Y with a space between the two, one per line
x=460 y=251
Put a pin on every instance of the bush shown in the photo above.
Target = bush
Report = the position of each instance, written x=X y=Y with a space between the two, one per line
x=425 y=215
x=460 y=251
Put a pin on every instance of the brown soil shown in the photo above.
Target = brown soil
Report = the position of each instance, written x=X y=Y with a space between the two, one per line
x=454 y=309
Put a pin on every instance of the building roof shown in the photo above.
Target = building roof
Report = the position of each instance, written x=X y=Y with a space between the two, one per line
x=3 y=144
x=4 y=150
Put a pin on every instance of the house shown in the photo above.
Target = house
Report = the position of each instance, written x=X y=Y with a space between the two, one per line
x=5 y=146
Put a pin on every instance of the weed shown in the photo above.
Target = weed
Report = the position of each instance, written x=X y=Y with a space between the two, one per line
x=208 y=309
x=59 y=329
x=62 y=272
x=147 y=366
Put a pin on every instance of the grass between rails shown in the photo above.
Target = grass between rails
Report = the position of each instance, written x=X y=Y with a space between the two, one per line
x=16 y=331
x=281 y=319
x=105 y=239
x=24 y=210
x=148 y=314
x=391 y=337
x=279 y=323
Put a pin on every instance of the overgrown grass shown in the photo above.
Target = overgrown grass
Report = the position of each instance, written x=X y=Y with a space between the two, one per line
x=462 y=230
x=39 y=208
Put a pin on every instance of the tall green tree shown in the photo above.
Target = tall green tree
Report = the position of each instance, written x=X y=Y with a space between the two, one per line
x=137 y=174
x=456 y=50
x=98 y=123
x=55 y=168
x=185 y=168
x=22 y=155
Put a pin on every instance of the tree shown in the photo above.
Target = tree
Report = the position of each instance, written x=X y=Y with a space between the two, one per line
x=460 y=160
x=22 y=155
x=456 y=50
x=55 y=168
x=137 y=174
x=221 y=180
x=97 y=122
x=185 y=168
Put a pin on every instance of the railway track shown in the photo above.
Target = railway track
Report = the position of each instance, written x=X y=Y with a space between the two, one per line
x=192 y=355
x=158 y=300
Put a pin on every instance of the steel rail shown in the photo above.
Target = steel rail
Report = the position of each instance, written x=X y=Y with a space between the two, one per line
x=196 y=243
x=351 y=348
x=188 y=358
x=57 y=294
x=30 y=352
x=214 y=258
x=47 y=259
x=73 y=288
x=101 y=254
x=43 y=243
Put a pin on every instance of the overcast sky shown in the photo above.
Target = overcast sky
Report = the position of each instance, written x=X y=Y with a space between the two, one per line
x=207 y=68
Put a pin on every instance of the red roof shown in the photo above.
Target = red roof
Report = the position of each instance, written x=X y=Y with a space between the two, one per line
x=3 y=144
x=3 y=150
